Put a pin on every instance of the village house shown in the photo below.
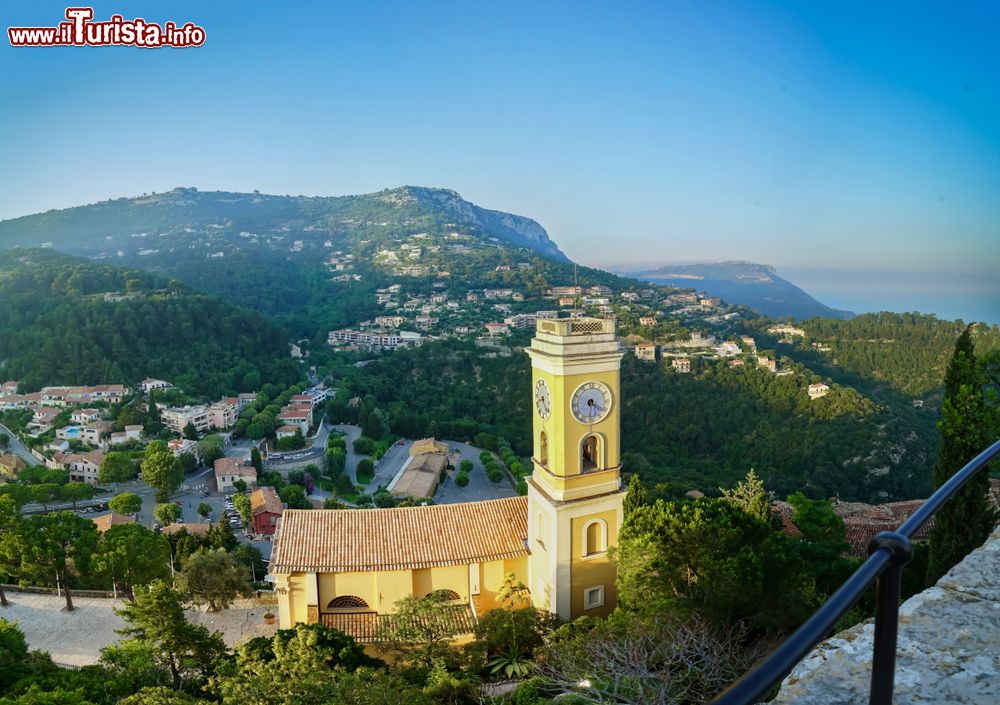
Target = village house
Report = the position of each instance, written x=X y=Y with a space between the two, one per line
x=85 y=416
x=566 y=291
x=681 y=364
x=286 y=431
x=82 y=467
x=10 y=465
x=177 y=418
x=647 y=321
x=223 y=413
x=645 y=351
x=729 y=347
x=786 y=330
x=177 y=446
x=103 y=523
x=229 y=470
x=766 y=363
x=711 y=301
x=265 y=510
x=494 y=329
x=749 y=342
x=149 y=385
x=818 y=390
x=8 y=387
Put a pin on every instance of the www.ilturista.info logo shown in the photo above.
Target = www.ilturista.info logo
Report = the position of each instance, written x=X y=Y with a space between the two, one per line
x=79 y=30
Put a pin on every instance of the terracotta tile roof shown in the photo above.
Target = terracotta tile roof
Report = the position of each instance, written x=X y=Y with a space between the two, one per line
x=265 y=499
x=103 y=523
x=196 y=529
x=863 y=521
x=233 y=466
x=349 y=540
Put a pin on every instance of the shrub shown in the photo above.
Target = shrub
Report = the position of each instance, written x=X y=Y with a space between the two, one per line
x=516 y=469
x=465 y=466
x=462 y=479
x=364 y=446
x=495 y=475
x=485 y=457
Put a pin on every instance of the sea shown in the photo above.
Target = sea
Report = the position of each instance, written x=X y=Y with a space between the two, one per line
x=948 y=296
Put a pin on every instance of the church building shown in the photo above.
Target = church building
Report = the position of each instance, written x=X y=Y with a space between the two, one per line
x=348 y=568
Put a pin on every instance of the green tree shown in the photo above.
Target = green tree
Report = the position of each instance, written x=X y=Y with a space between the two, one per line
x=213 y=577
x=709 y=557
x=242 y=505
x=13 y=654
x=11 y=543
x=421 y=628
x=46 y=493
x=116 y=467
x=465 y=466
x=966 y=520
x=157 y=617
x=294 y=496
x=256 y=460
x=161 y=470
x=365 y=468
x=167 y=513
x=58 y=547
x=130 y=555
x=240 y=485
x=188 y=461
x=304 y=665
x=210 y=450
x=636 y=496
x=204 y=510
x=134 y=664
x=126 y=503
x=76 y=492
x=190 y=432
x=750 y=496
x=160 y=696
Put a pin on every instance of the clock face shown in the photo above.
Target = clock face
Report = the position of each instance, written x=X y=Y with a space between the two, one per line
x=591 y=402
x=543 y=401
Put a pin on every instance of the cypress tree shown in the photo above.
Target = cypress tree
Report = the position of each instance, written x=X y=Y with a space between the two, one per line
x=965 y=521
x=636 y=496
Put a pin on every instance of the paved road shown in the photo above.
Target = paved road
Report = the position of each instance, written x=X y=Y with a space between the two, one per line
x=17 y=448
x=390 y=464
x=351 y=434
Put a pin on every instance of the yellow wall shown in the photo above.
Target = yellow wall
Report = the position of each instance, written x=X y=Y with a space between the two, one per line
x=592 y=571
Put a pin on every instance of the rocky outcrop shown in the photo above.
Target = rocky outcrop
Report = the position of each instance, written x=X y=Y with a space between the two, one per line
x=948 y=651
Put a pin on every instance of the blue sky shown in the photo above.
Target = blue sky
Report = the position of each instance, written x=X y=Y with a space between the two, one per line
x=800 y=134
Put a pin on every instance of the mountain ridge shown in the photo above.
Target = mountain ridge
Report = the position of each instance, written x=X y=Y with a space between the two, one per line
x=87 y=224
x=755 y=285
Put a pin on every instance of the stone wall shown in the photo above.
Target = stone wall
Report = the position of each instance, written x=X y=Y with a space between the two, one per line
x=948 y=651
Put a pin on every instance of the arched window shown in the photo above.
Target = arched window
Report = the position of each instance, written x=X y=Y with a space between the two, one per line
x=347 y=602
x=444 y=595
x=543 y=448
x=591 y=450
x=595 y=537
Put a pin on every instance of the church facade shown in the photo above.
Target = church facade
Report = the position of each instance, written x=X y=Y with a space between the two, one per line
x=348 y=568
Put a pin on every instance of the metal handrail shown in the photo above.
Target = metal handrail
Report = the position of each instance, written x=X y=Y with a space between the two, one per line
x=888 y=552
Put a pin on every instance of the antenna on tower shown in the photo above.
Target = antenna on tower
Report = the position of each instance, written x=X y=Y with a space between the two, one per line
x=576 y=294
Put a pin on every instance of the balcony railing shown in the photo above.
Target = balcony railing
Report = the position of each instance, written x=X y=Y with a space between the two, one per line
x=888 y=552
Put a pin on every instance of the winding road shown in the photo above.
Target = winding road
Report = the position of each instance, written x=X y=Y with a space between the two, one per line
x=15 y=446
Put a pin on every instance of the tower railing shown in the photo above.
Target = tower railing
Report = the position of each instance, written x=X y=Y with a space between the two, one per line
x=888 y=552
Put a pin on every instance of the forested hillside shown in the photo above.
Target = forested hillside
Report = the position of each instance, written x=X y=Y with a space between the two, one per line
x=58 y=327
x=908 y=351
x=696 y=431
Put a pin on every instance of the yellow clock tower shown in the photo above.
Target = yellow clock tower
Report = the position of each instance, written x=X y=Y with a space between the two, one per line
x=574 y=493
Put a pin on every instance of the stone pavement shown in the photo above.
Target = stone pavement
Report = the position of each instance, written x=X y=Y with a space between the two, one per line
x=76 y=638
x=948 y=647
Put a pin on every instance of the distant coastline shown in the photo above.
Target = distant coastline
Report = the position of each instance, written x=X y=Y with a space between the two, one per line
x=950 y=297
